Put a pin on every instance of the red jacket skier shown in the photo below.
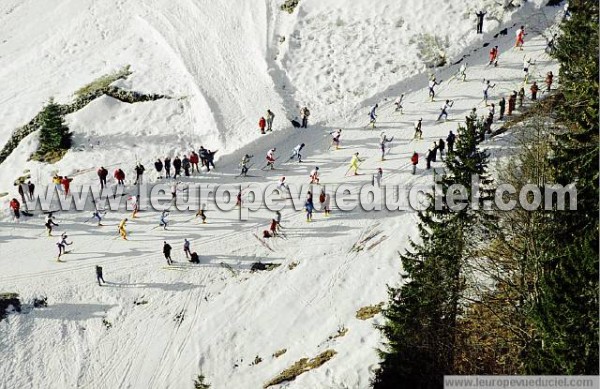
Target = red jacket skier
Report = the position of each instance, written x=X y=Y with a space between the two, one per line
x=414 y=160
x=119 y=176
x=262 y=123
x=494 y=56
x=66 y=183
x=15 y=206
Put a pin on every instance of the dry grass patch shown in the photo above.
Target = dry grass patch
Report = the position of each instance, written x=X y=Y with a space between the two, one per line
x=301 y=366
x=365 y=313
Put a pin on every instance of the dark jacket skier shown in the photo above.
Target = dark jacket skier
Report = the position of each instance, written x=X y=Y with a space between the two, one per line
x=167 y=252
x=167 y=167
x=139 y=173
x=185 y=163
x=177 y=166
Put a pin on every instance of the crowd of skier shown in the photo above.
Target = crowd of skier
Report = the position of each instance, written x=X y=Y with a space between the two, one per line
x=193 y=162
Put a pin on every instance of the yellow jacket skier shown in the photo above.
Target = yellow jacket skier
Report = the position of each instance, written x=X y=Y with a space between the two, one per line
x=122 y=229
x=355 y=162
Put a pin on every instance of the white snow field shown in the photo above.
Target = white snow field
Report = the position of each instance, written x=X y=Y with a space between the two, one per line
x=154 y=326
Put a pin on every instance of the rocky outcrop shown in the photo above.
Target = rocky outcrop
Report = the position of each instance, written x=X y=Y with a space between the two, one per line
x=81 y=101
x=9 y=302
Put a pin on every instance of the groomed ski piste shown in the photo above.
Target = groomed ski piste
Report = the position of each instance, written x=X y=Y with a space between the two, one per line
x=159 y=326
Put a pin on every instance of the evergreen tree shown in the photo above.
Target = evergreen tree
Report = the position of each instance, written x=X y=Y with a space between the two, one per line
x=566 y=309
x=54 y=134
x=421 y=317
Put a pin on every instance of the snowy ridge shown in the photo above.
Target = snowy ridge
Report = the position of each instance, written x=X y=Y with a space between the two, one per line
x=204 y=318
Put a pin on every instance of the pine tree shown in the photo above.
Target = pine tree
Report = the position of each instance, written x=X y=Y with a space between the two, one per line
x=566 y=310
x=54 y=134
x=421 y=317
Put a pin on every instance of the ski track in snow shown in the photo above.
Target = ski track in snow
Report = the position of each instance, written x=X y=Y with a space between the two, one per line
x=228 y=319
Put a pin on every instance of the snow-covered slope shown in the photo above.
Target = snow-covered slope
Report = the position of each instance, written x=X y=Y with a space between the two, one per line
x=226 y=62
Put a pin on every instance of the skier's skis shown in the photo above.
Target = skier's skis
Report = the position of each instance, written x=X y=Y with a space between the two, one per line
x=228 y=267
x=263 y=242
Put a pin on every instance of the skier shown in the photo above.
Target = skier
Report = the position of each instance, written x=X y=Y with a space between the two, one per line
x=383 y=140
x=502 y=105
x=414 y=160
x=326 y=202
x=244 y=164
x=66 y=183
x=185 y=164
x=99 y=276
x=135 y=206
x=167 y=252
x=163 y=219
x=271 y=158
x=450 y=141
x=521 y=97
x=203 y=154
x=480 y=16
x=494 y=56
x=282 y=185
x=158 y=165
x=441 y=147
x=167 y=167
x=56 y=180
x=174 y=190
x=194 y=258
x=534 y=90
x=270 y=117
x=238 y=199
x=492 y=112
x=373 y=115
x=429 y=158
x=22 y=191
x=122 y=230
x=512 y=100
x=31 y=188
x=273 y=228
x=202 y=215
x=139 y=174
x=418 y=129
x=296 y=152
x=432 y=83
x=471 y=119
x=119 y=176
x=462 y=71
x=355 y=162
x=210 y=159
x=314 y=176
x=194 y=160
x=50 y=223
x=526 y=65
x=96 y=215
x=335 y=138
x=278 y=219
x=102 y=174
x=486 y=87
x=548 y=81
x=177 y=166
x=309 y=206
x=520 y=37
x=304 y=114
x=377 y=177
x=398 y=103
x=444 y=111
x=62 y=246
x=262 y=123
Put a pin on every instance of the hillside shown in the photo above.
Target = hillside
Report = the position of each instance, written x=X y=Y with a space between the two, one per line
x=223 y=65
